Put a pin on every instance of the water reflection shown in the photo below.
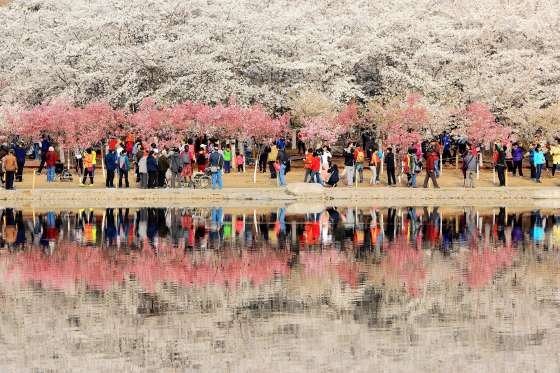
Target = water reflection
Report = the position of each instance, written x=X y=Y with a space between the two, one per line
x=380 y=267
x=210 y=246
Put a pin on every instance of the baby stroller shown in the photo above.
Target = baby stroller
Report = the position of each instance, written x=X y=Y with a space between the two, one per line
x=201 y=180
x=61 y=173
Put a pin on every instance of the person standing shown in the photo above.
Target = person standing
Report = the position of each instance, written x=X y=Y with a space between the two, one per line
x=316 y=169
x=326 y=158
x=239 y=161
x=20 y=152
x=539 y=160
x=375 y=165
x=469 y=167
x=272 y=156
x=201 y=158
x=93 y=160
x=307 y=165
x=88 y=167
x=530 y=154
x=517 y=158
x=431 y=159
x=555 y=153
x=45 y=144
x=216 y=163
x=152 y=166
x=79 y=161
x=411 y=167
x=348 y=154
x=284 y=161
x=185 y=160
x=500 y=162
x=263 y=157
x=124 y=168
x=10 y=168
x=227 y=159
x=163 y=166
x=50 y=161
x=143 y=169
x=110 y=166
x=390 y=166
x=174 y=167
x=446 y=145
x=359 y=158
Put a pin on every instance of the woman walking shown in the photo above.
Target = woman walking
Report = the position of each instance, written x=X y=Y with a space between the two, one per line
x=500 y=161
x=50 y=161
x=539 y=161
x=88 y=167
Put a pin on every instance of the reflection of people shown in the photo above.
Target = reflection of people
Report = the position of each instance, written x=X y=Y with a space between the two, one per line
x=538 y=224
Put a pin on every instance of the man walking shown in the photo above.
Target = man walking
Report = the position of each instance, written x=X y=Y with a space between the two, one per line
x=10 y=167
x=517 y=157
x=284 y=161
x=45 y=144
x=216 y=163
x=20 y=152
x=349 y=163
x=500 y=156
x=469 y=165
x=431 y=168
x=111 y=166
x=124 y=168
x=390 y=165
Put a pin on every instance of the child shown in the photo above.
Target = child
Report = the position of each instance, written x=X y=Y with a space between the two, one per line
x=240 y=161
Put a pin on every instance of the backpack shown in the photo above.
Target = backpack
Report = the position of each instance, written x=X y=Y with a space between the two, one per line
x=360 y=157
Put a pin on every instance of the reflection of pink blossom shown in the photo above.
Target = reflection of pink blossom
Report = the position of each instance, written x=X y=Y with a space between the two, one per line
x=101 y=269
x=482 y=265
x=318 y=264
x=406 y=263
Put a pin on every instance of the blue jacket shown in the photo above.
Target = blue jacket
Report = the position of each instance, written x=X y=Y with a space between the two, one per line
x=538 y=157
x=111 y=161
x=446 y=141
x=19 y=152
x=45 y=146
x=152 y=164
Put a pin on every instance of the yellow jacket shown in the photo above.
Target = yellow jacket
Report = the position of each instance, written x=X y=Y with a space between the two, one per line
x=555 y=152
x=273 y=154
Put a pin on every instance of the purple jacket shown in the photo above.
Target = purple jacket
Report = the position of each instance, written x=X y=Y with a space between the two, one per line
x=517 y=154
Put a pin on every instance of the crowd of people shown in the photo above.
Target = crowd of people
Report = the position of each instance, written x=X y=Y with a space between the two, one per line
x=158 y=166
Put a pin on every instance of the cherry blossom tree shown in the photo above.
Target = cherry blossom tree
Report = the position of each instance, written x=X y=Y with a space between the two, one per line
x=481 y=126
x=502 y=55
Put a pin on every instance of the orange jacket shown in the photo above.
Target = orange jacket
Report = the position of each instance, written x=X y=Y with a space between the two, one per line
x=308 y=160
x=10 y=163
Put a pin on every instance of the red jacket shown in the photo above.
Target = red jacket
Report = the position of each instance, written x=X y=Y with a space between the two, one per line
x=316 y=164
x=430 y=162
x=50 y=159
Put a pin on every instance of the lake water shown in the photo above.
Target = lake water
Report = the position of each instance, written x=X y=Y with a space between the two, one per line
x=243 y=290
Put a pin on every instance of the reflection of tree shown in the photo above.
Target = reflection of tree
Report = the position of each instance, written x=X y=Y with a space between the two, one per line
x=320 y=264
x=482 y=265
x=405 y=263
x=100 y=269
